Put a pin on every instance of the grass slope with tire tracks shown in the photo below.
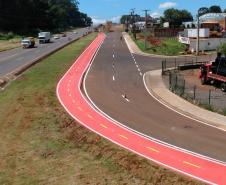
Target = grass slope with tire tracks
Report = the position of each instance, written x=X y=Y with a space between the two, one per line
x=41 y=144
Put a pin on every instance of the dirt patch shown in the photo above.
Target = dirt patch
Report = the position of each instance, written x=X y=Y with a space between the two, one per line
x=191 y=78
x=7 y=45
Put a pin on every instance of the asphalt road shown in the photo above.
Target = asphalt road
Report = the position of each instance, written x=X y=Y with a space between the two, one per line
x=12 y=59
x=115 y=73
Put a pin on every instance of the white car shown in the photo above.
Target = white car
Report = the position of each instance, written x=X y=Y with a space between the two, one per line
x=75 y=32
x=56 y=36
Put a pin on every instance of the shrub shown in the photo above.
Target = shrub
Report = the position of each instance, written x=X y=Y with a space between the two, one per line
x=222 y=48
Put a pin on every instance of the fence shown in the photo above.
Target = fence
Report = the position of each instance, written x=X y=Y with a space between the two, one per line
x=183 y=63
x=209 y=97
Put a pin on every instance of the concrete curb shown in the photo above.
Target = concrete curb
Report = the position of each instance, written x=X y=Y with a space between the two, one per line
x=15 y=73
x=136 y=50
x=155 y=86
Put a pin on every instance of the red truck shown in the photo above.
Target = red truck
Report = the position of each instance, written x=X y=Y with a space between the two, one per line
x=214 y=73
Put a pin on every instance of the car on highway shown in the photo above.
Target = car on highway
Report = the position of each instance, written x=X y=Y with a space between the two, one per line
x=28 y=42
x=75 y=32
x=56 y=36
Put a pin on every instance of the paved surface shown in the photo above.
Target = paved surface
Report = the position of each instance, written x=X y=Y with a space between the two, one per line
x=12 y=59
x=71 y=97
x=155 y=85
x=116 y=74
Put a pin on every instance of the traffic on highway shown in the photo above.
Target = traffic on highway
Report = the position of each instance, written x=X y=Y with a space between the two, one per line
x=13 y=59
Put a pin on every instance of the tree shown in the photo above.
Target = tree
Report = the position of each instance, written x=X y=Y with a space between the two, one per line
x=222 y=48
x=23 y=16
x=124 y=19
x=175 y=17
x=203 y=10
x=225 y=10
x=215 y=9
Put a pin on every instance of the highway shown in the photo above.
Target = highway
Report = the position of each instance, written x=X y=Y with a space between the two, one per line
x=115 y=73
x=12 y=59
x=72 y=98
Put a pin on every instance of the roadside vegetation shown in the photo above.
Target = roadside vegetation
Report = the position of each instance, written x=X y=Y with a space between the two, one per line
x=9 y=41
x=41 y=144
x=22 y=17
x=166 y=46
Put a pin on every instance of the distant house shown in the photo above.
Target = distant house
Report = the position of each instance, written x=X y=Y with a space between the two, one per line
x=214 y=21
x=189 y=24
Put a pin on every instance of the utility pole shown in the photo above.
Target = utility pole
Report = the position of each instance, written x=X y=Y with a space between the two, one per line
x=132 y=22
x=145 y=34
x=197 y=43
x=201 y=11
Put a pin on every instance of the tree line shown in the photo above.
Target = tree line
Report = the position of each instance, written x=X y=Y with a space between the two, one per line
x=22 y=16
x=174 y=16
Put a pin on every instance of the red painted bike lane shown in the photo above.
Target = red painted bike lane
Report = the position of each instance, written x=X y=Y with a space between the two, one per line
x=75 y=103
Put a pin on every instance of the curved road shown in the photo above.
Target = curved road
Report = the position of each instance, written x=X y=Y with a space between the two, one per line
x=115 y=85
x=72 y=99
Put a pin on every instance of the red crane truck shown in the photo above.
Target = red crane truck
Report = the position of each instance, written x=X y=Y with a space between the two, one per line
x=215 y=72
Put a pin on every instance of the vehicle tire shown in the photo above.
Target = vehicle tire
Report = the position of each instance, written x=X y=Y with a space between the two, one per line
x=203 y=80
x=223 y=87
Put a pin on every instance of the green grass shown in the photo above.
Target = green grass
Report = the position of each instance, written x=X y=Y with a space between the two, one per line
x=169 y=47
x=41 y=144
x=9 y=36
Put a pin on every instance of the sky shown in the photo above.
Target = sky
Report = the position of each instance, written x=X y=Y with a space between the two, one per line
x=112 y=10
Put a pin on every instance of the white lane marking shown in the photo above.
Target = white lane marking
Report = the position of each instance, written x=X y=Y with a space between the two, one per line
x=138 y=69
x=91 y=117
x=125 y=97
x=178 y=111
x=113 y=78
x=141 y=74
x=123 y=125
x=113 y=55
x=119 y=124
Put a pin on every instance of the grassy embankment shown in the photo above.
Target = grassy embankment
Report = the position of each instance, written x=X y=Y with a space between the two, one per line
x=41 y=144
x=170 y=47
x=9 y=41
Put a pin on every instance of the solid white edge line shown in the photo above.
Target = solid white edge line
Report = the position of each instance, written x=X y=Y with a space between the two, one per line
x=59 y=98
x=134 y=131
x=182 y=114
x=123 y=125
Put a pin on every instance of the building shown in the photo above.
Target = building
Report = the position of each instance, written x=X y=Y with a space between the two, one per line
x=214 y=21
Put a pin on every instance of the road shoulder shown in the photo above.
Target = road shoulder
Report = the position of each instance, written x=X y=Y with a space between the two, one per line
x=157 y=89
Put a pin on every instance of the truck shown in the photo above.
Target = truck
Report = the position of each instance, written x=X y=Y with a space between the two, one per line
x=28 y=42
x=215 y=72
x=44 y=37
